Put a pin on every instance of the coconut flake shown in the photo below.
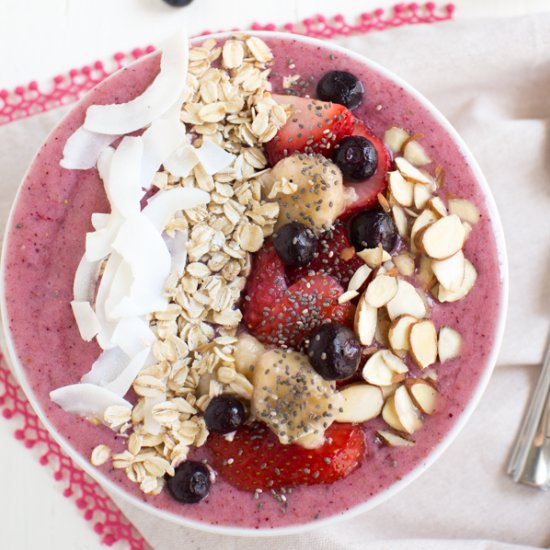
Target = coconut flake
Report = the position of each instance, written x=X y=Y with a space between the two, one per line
x=98 y=243
x=181 y=162
x=100 y=220
x=144 y=251
x=104 y=162
x=213 y=157
x=123 y=382
x=107 y=326
x=85 y=279
x=161 y=207
x=83 y=148
x=141 y=246
x=178 y=251
x=160 y=140
x=119 y=289
x=157 y=99
x=123 y=180
x=87 y=399
x=106 y=367
x=86 y=319
x=133 y=335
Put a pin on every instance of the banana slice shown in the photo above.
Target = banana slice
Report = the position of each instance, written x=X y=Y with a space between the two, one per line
x=319 y=195
x=248 y=351
x=292 y=399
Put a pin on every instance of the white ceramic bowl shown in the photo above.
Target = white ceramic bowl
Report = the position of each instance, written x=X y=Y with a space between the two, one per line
x=384 y=495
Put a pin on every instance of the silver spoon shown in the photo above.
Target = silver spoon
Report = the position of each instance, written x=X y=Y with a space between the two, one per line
x=530 y=462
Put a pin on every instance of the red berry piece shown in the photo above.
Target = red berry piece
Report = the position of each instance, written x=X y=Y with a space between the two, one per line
x=335 y=256
x=313 y=127
x=255 y=459
x=265 y=286
x=291 y=318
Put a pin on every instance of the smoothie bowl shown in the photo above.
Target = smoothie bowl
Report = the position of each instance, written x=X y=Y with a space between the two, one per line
x=254 y=284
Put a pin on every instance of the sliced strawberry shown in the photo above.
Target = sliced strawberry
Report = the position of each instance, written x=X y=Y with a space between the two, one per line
x=335 y=256
x=265 y=285
x=255 y=459
x=290 y=319
x=367 y=191
x=313 y=127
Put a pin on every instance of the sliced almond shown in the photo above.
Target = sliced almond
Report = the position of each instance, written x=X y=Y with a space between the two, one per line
x=401 y=189
x=450 y=272
x=395 y=137
x=449 y=344
x=407 y=301
x=398 y=335
x=374 y=257
x=416 y=154
x=361 y=403
x=394 y=363
x=407 y=413
x=389 y=414
x=423 y=394
x=384 y=368
x=388 y=390
x=404 y=263
x=394 y=440
x=439 y=176
x=430 y=374
x=382 y=328
x=465 y=210
x=423 y=343
x=443 y=238
x=422 y=194
x=417 y=241
x=359 y=277
x=425 y=218
x=437 y=206
x=347 y=296
x=366 y=319
x=425 y=274
x=401 y=221
x=410 y=172
x=383 y=202
x=381 y=290
x=470 y=276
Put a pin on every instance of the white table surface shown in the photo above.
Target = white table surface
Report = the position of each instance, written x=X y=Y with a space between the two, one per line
x=40 y=38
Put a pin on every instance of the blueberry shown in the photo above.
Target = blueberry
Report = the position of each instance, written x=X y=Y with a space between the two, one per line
x=341 y=87
x=190 y=483
x=357 y=157
x=334 y=351
x=371 y=228
x=178 y=3
x=295 y=244
x=224 y=414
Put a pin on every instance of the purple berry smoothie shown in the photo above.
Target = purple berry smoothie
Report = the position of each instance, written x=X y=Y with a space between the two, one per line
x=46 y=241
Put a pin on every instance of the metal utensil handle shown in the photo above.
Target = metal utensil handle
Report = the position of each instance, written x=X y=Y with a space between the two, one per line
x=530 y=462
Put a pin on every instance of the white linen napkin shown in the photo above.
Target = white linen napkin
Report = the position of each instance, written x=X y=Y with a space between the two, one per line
x=491 y=79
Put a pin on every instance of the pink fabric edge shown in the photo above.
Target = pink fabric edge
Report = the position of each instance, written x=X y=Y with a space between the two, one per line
x=35 y=98
x=25 y=101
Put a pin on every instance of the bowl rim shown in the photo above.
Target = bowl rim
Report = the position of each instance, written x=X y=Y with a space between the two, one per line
x=111 y=487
